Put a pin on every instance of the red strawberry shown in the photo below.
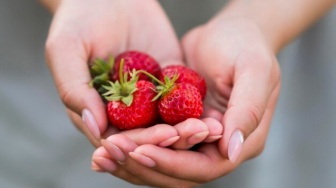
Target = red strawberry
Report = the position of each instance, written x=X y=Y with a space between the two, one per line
x=186 y=75
x=130 y=103
x=181 y=102
x=138 y=61
x=177 y=102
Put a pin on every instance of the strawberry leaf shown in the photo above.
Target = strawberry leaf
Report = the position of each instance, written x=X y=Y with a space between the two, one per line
x=123 y=89
x=100 y=71
x=127 y=100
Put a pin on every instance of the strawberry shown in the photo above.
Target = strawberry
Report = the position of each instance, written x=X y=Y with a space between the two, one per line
x=183 y=101
x=130 y=102
x=138 y=61
x=177 y=101
x=186 y=75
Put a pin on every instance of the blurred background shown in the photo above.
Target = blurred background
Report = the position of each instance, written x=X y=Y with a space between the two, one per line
x=40 y=148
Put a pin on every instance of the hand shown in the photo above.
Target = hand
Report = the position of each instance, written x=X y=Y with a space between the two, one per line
x=118 y=157
x=243 y=78
x=84 y=30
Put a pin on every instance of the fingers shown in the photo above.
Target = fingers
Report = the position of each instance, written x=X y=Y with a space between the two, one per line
x=102 y=162
x=211 y=112
x=215 y=130
x=199 y=167
x=194 y=131
x=249 y=99
x=256 y=141
x=120 y=147
x=181 y=136
x=68 y=62
x=162 y=135
x=78 y=122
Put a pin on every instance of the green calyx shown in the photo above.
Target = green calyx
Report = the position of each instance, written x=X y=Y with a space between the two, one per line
x=100 y=71
x=122 y=89
x=164 y=87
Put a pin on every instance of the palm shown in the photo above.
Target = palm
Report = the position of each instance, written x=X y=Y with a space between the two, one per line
x=98 y=30
x=241 y=73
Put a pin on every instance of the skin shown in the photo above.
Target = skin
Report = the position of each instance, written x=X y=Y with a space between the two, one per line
x=99 y=37
x=235 y=52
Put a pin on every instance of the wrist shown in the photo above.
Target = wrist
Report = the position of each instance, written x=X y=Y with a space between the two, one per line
x=243 y=11
x=278 y=20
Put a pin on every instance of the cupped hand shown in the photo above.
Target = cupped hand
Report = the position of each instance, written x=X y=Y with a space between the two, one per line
x=84 y=30
x=243 y=80
x=118 y=154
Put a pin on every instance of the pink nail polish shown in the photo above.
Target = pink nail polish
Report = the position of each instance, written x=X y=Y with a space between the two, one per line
x=115 y=152
x=210 y=139
x=90 y=123
x=144 y=160
x=96 y=167
x=105 y=163
x=235 y=145
x=197 y=138
x=169 y=141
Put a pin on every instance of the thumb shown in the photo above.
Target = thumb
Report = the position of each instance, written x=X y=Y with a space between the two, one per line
x=252 y=88
x=67 y=61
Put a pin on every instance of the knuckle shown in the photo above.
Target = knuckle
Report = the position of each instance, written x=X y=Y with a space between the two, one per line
x=66 y=94
x=191 y=125
x=156 y=131
x=58 y=41
x=254 y=113
x=53 y=41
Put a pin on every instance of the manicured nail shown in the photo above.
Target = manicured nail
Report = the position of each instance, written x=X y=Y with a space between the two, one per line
x=91 y=123
x=212 y=138
x=235 y=145
x=96 y=167
x=114 y=151
x=105 y=163
x=144 y=160
x=197 y=138
x=169 y=141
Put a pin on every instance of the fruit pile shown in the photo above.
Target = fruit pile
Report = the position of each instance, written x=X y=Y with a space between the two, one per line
x=139 y=93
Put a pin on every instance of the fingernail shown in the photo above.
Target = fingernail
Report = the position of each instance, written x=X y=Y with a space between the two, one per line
x=96 y=167
x=144 y=160
x=105 y=163
x=212 y=138
x=169 y=141
x=91 y=123
x=197 y=138
x=235 y=145
x=114 y=151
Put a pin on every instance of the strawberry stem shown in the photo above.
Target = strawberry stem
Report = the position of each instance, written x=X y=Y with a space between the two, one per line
x=121 y=77
x=164 y=87
x=123 y=88
x=151 y=76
